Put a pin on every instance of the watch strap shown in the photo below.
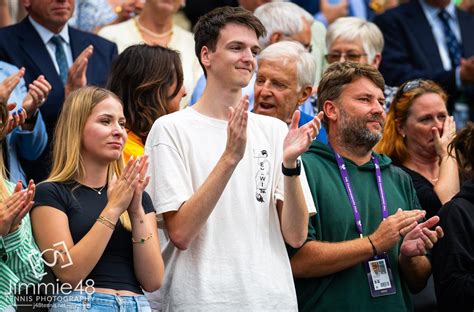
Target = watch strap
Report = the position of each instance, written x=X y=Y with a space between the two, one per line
x=290 y=172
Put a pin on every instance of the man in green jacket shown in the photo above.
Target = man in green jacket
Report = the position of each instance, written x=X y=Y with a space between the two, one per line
x=365 y=249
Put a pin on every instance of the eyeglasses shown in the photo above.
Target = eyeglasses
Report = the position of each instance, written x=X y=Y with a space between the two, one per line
x=336 y=57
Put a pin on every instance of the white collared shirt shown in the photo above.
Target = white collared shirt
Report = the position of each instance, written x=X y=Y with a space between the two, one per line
x=46 y=36
x=431 y=14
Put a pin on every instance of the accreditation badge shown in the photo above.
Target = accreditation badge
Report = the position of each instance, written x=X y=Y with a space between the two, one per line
x=380 y=276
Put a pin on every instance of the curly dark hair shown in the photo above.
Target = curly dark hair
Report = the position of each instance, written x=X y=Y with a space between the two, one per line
x=141 y=76
x=463 y=145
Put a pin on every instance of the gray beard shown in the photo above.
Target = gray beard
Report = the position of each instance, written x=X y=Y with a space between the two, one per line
x=354 y=135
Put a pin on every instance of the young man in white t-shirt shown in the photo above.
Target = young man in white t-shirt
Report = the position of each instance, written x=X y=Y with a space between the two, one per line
x=225 y=183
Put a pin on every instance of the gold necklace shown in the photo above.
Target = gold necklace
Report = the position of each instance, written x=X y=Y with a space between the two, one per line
x=95 y=190
x=152 y=33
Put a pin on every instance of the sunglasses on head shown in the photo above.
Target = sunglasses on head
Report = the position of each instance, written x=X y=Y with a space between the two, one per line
x=410 y=85
x=404 y=88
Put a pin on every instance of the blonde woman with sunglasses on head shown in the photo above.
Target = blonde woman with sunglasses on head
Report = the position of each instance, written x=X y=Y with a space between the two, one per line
x=98 y=209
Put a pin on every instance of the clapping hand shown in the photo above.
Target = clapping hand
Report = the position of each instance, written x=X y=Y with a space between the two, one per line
x=298 y=140
x=135 y=207
x=396 y=226
x=237 y=131
x=121 y=190
x=38 y=91
x=76 y=77
x=9 y=84
x=14 y=208
x=421 y=239
x=18 y=117
x=14 y=120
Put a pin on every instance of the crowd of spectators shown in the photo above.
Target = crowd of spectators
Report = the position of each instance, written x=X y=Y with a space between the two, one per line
x=172 y=155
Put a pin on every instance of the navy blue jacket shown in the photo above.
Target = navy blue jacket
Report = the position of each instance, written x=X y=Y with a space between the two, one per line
x=21 y=45
x=411 y=51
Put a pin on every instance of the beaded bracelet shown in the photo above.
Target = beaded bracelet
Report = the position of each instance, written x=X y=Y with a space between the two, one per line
x=106 y=222
x=142 y=240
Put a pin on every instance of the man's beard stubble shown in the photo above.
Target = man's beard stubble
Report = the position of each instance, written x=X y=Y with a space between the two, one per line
x=355 y=135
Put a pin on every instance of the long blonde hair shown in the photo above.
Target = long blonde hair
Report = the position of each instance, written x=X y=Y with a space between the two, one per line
x=68 y=164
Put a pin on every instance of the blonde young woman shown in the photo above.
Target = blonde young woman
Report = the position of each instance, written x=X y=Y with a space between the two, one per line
x=98 y=209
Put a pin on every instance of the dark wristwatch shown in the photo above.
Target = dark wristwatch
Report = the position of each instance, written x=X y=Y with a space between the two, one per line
x=290 y=172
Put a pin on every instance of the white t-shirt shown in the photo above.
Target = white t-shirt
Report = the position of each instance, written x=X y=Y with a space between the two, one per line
x=238 y=261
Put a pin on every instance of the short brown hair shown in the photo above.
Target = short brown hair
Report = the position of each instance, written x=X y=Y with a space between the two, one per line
x=338 y=75
x=208 y=27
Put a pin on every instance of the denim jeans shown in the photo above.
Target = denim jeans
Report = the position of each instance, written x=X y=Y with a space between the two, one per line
x=98 y=302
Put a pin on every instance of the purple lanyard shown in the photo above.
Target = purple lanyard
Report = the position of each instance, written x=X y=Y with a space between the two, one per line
x=350 y=193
